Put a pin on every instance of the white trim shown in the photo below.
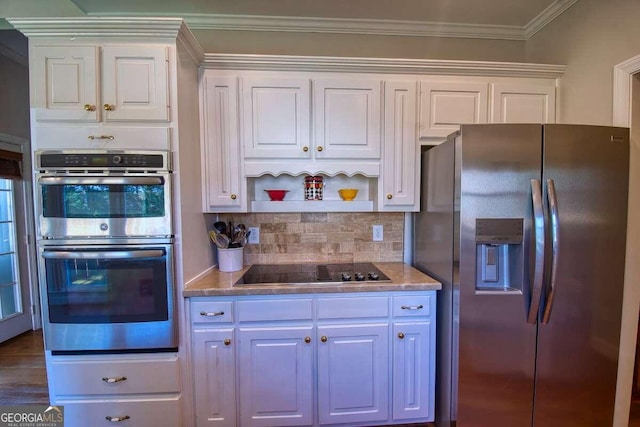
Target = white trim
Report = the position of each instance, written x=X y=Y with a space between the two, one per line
x=554 y=10
x=125 y=27
x=380 y=65
x=14 y=140
x=387 y=27
x=622 y=75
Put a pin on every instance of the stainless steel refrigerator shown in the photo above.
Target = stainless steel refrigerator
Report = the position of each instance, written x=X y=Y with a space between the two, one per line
x=525 y=226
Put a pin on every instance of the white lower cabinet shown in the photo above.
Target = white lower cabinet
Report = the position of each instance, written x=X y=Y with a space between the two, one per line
x=214 y=383
x=276 y=376
x=141 y=390
x=314 y=360
x=353 y=373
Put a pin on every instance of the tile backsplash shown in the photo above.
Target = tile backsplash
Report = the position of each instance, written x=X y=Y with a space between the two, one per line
x=320 y=237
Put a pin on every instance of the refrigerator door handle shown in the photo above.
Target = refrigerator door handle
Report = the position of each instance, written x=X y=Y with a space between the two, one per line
x=539 y=230
x=555 y=247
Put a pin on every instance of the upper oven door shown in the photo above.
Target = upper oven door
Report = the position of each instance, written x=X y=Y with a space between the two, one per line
x=104 y=205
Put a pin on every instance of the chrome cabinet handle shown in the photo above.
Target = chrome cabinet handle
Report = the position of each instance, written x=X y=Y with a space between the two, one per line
x=539 y=231
x=555 y=248
x=212 y=313
x=102 y=180
x=109 y=137
x=412 y=307
x=114 y=380
x=117 y=419
x=151 y=253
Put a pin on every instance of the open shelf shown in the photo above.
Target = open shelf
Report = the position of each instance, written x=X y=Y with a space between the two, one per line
x=294 y=199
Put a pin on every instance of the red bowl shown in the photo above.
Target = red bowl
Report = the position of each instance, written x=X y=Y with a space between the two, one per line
x=276 y=195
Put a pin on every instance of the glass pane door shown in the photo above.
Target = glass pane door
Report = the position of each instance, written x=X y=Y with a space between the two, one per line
x=15 y=317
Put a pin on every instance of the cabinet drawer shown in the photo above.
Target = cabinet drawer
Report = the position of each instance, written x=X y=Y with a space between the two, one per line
x=163 y=412
x=105 y=138
x=212 y=311
x=73 y=377
x=412 y=305
x=353 y=307
x=265 y=310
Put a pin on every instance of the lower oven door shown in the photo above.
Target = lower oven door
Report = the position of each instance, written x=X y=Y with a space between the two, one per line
x=97 y=298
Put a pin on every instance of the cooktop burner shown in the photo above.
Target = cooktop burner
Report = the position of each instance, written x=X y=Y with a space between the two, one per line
x=312 y=274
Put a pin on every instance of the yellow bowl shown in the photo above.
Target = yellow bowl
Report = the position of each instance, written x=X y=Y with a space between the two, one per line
x=348 y=194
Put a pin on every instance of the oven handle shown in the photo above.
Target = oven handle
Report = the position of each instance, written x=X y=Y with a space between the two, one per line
x=152 y=253
x=100 y=180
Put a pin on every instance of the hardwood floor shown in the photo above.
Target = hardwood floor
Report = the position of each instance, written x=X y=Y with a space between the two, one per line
x=23 y=377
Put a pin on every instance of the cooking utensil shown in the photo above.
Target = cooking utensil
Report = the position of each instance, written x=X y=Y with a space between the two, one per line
x=220 y=240
x=220 y=227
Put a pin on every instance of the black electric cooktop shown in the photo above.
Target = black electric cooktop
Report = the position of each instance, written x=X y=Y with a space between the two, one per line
x=341 y=273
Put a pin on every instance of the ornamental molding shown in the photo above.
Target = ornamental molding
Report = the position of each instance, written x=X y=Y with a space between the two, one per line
x=379 y=65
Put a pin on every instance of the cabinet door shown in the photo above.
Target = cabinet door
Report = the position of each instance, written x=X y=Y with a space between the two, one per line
x=413 y=371
x=353 y=373
x=221 y=147
x=347 y=118
x=214 y=379
x=444 y=106
x=523 y=103
x=400 y=151
x=276 y=376
x=275 y=118
x=65 y=83
x=135 y=83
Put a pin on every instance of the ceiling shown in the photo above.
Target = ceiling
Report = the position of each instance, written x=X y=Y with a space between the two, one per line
x=502 y=19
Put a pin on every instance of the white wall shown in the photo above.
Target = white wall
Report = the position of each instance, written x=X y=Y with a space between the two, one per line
x=591 y=38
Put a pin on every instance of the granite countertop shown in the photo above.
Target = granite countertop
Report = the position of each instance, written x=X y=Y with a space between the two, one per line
x=403 y=278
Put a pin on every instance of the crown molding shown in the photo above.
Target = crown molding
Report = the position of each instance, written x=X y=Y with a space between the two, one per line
x=379 y=65
x=94 y=26
x=622 y=76
x=554 y=10
x=383 y=27
x=190 y=44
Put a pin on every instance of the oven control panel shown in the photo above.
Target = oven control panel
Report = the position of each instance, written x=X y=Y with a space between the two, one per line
x=103 y=160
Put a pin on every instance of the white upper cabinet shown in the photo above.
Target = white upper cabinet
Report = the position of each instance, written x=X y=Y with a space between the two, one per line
x=276 y=117
x=401 y=157
x=111 y=83
x=224 y=186
x=347 y=118
x=445 y=105
x=523 y=102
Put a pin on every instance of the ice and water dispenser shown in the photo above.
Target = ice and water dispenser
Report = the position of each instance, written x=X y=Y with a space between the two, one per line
x=499 y=255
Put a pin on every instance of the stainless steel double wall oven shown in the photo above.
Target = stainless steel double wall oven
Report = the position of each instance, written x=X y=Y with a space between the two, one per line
x=105 y=246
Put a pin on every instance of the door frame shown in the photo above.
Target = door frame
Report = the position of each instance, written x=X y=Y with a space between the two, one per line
x=623 y=116
x=31 y=302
